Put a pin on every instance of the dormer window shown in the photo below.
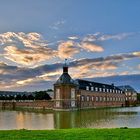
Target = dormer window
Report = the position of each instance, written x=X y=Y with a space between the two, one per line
x=92 y=88
x=96 y=89
x=100 y=89
x=87 y=87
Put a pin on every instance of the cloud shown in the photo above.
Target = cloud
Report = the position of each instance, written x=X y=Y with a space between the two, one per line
x=58 y=24
x=17 y=76
x=31 y=49
x=73 y=37
x=28 y=56
x=91 y=47
x=103 y=37
x=20 y=76
x=67 y=49
x=26 y=49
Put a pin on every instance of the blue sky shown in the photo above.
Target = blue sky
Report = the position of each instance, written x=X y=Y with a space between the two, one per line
x=100 y=38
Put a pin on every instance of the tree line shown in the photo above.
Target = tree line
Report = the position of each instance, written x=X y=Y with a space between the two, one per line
x=37 y=95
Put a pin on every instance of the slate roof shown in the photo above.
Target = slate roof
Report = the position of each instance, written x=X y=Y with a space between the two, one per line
x=65 y=79
x=84 y=83
x=127 y=88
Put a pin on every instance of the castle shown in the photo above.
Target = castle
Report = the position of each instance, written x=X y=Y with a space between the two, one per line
x=72 y=94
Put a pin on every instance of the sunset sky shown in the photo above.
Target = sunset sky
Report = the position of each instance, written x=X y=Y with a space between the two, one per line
x=100 y=39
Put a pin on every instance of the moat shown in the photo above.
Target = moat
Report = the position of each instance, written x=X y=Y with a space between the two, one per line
x=95 y=118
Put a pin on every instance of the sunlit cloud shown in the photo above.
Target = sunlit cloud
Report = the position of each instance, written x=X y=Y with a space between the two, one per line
x=28 y=56
x=73 y=37
x=23 y=82
x=67 y=49
x=91 y=47
x=17 y=76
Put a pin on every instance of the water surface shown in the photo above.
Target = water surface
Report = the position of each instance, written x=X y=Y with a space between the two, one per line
x=95 y=118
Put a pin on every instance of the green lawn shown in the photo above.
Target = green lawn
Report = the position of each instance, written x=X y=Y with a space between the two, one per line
x=71 y=134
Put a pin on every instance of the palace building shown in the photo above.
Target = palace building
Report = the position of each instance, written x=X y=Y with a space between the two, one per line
x=76 y=94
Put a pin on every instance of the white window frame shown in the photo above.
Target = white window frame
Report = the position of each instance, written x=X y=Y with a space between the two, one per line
x=72 y=93
x=87 y=87
x=57 y=93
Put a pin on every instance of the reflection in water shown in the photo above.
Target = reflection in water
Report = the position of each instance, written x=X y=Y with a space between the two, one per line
x=96 y=118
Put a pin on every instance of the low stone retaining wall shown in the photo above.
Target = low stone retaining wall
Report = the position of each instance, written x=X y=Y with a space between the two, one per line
x=37 y=104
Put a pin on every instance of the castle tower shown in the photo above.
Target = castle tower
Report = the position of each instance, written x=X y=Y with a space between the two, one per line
x=65 y=91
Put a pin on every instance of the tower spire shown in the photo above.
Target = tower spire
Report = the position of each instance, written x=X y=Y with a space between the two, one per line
x=65 y=67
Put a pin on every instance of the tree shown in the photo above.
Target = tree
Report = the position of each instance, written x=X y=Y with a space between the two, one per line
x=49 y=90
x=138 y=97
x=18 y=97
x=24 y=97
x=31 y=97
x=42 y=95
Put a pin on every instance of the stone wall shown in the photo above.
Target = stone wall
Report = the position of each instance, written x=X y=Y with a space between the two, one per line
x=38 y=104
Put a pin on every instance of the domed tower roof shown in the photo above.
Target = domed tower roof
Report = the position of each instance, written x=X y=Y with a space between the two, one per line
x=65 y=77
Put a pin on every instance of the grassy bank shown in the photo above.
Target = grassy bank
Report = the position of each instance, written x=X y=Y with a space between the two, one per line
x=71 y=134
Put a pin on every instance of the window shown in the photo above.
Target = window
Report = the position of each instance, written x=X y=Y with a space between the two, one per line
x=107 y=90
x=104 y=98
x=110 y=90
x=57 y=104
x=96 y=98
x=57 y=93
x=103 y=89
x=82 y=98
x=87 y=98
x=100 y=98
x=92 y=88
x=90 y=84
x=72 y=93
x=87 y=87
x=107 y=98
x=96 y=89
x=92 y=98
x=72 y=103
x=100 y=89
